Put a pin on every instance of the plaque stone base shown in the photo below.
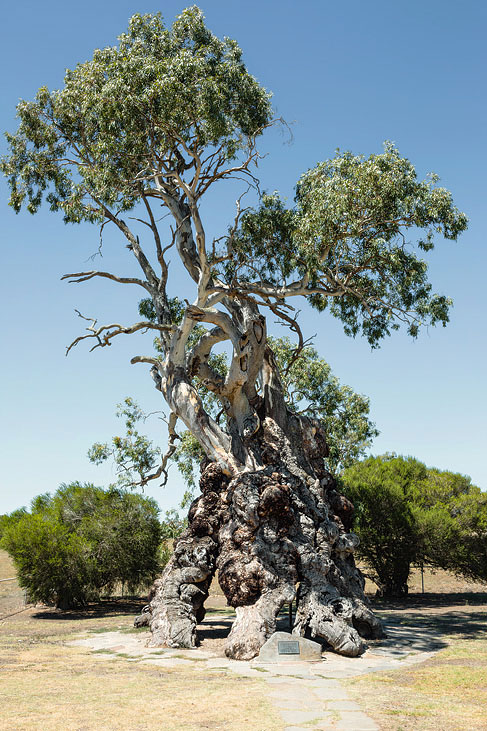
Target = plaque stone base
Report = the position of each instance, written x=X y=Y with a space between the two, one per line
x=285 y=647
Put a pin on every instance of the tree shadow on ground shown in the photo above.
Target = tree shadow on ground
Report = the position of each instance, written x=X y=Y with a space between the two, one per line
x=430 y=600
x=94 y=610
x=406 y=624
x=471 y=625
x=423 y=621
x=214 y=628
x=435 y=618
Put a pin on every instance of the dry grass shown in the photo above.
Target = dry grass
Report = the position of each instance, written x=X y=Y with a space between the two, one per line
x=435 y=581
x=12 y=597
x=7 y=569
x=46 y=685
x=49 y=686
x=447 y=692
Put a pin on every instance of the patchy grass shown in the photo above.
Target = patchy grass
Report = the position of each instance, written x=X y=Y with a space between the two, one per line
x=12 y=597
x=186 y=657
x=45 y=684
x=223 y=611
x=446 y=692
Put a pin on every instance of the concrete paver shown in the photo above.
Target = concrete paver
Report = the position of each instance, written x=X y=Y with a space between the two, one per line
x=343 y=705
x=299 y=716
x=308 y=696
x=355 y=721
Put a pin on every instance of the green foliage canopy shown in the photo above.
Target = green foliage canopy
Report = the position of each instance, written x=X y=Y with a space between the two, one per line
x=156 y=121
x=347 y=237
x=92 y=144
x=130 y=122
x=84 y=539
x=406 y=513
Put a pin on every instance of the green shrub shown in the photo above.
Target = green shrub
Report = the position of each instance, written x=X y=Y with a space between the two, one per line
x=406 y=513
x=10 y=518
x=383 y=519
x=83 y=540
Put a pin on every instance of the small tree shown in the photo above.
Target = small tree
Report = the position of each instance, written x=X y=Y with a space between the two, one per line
x=406 y=513
x=384 y=519
x=452 y=518
x=54 y=565
x=158 y=121
x=84 y=539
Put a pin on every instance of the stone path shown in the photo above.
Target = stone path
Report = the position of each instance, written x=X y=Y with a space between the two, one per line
x=310 y=696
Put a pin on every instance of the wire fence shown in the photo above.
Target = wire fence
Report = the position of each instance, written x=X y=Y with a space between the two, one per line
x=13 y=598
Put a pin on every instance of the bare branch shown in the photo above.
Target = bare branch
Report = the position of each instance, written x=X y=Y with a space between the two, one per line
x=105 y=333
x=85 y=276
x=134 y=244
x=204 y=345
x=197 y=360
x=292 y=323
x=154 y=228
x=145 y=359
x=216 y=317
x=161 y=470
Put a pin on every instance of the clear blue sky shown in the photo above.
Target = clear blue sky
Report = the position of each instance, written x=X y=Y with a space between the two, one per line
x=346 y=75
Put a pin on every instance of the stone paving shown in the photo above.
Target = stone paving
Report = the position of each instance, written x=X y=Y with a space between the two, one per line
x=310 y=696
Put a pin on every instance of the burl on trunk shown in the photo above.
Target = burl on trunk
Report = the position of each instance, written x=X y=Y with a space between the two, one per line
x=274 y=534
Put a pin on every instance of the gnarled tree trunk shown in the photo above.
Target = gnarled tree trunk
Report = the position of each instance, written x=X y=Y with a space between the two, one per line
x=275 y=532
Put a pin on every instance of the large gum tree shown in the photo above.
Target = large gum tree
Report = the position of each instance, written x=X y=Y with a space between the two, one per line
x=150 y=126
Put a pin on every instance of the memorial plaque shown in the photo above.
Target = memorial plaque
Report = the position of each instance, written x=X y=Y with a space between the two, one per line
x=288 y=648
x=282 y=647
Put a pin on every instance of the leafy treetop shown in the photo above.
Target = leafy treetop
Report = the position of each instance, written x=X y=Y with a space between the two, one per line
x=157 y=120
x=345 y=243
x=125 y=116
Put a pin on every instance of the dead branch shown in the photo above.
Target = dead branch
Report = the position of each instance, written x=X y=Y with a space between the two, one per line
x=161 y=470
x=105 y=333
x=85 y=276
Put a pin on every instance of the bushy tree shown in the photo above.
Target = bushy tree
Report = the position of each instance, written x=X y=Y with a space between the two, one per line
x=84 y=539
x=452 y=518
x=156 y=122
x=53 y=564
x=406 y=513
x=384 y=520
x=9 y=518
